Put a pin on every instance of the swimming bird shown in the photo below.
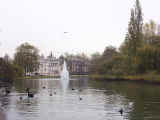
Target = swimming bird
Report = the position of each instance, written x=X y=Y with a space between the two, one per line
x=31 y=95
x=80 y=90
x=50 y=94
x=21 y=98
x=44 y=87
x=121 y=111
x=73 y=89
x=7 y=91
x=80 y=98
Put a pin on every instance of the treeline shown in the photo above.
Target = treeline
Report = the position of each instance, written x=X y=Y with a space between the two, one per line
x=25 y=61
x=138 y=54
x=8 y=70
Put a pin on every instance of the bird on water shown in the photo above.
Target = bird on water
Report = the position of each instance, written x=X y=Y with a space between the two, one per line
x=80 y=98
x=30 y=95
x=121 y=111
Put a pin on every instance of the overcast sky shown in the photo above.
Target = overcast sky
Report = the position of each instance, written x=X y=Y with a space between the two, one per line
x=91 y=24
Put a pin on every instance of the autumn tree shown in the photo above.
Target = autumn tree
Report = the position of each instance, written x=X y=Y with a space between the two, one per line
x=6 y=71
x=94 y=65
x=134 y=37
x=27 y=56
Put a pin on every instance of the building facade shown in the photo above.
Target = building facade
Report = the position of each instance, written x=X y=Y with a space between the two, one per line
x=49 y=66
x=77 y=66
x=52 y=66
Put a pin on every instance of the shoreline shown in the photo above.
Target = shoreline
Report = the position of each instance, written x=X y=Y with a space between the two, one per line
x=41 y=77
x=146 y=78
x=38 y=77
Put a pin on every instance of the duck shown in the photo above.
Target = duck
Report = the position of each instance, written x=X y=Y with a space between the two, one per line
x=121 y=111
x=30 y=95
x=43 y=87
x=80 y=98
x=7 y=91
x=21 y=98
x=73 y=89
x=50 y=94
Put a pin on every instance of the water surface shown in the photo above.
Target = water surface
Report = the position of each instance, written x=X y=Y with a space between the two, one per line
x=101 y=100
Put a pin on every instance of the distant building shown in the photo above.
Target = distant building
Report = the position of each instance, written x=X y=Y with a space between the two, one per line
x=77 y=66
x=52 y=66
x=49 y=66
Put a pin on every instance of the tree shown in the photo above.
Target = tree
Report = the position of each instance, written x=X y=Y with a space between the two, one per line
x=109 y=52
x=7 y=58
x=27 y=57
x=94 y=65
x=18 y=71
x=6 y=71
x=134 y=37
x=150 y=35
x=149 y=58
x=149 y=29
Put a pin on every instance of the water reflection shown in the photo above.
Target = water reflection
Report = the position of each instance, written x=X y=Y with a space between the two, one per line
x=100 y=100
x=141 y=101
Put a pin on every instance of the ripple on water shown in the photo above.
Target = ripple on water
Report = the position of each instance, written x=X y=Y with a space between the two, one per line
x=99 y=102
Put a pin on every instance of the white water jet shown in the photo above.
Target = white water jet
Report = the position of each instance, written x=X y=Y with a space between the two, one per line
x=64 y=76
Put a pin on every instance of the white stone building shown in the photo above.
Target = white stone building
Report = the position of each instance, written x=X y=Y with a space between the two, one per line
x=49 y=66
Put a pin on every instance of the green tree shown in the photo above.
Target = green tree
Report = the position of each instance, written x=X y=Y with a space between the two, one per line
x=94 y=65
x=18 y=71
x=134 y=38
x=109 y=52
x=149 y=29
x=27 y=56
x=149 y=59
x=6 y=71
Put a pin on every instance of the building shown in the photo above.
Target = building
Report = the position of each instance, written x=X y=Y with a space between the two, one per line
x=52 y=66
x=49 y=66
x=76 y=65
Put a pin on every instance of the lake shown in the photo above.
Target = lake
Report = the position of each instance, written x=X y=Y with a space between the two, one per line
x=83 y=100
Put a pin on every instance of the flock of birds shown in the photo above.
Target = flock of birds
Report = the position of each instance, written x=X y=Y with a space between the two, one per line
x=31 y=95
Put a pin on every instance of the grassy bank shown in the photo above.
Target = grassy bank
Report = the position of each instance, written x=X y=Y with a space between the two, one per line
x=38 y=77
x=147 y=78
x=41 y=77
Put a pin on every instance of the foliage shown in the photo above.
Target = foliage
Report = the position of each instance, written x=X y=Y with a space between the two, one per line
x=110 y=62
x=138 y=54
x=27 y=56
x=109 y=52
x=149 y=57
x=134 y=38
x=94 y=65
x=9 y=71
x=80 y=56
x=6 y=71
x=18 y=71
x=149 y=29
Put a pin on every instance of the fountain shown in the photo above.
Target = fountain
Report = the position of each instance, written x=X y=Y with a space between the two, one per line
x=64 y=76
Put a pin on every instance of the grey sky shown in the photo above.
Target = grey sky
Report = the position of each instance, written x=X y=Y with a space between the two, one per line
x=92 y=24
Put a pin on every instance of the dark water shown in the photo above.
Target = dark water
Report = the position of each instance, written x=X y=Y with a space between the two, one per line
x=101 y=100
